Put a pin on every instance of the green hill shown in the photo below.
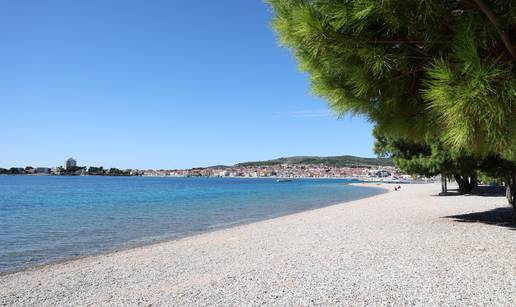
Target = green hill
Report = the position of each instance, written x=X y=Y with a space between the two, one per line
x=338 y=161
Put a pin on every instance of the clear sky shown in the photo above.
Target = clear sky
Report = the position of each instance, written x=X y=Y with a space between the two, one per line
x=157 y=84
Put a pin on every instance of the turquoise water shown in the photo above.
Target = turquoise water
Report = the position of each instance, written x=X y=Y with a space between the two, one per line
x=47 y=219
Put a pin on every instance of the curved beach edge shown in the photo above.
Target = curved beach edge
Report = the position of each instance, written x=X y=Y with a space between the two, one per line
x=409 y=247
x=380 y=187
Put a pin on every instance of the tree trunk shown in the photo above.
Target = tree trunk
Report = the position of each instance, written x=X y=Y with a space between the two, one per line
x=466 y=184
x=511 y=193
x=444 y=185
x=461 y=182
x=473 y=181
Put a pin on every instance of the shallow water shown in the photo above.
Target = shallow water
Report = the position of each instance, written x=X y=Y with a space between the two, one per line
x=47 y=219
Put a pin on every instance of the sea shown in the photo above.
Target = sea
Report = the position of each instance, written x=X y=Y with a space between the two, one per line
x=45 y=219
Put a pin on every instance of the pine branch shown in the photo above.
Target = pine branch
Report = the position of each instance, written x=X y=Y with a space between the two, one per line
x=505 y=38
x=407 y=41
x=406 y=74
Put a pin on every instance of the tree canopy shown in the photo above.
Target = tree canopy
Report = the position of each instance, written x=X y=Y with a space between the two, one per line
x=436 y=77
x=417 y=69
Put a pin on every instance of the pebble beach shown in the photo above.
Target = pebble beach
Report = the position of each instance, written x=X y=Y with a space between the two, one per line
x=409 y=247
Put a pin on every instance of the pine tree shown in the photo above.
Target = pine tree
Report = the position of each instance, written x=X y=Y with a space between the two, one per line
x=419 y=69
x=430 y=159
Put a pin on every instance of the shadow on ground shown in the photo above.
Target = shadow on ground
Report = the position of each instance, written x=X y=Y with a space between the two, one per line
x=481 y=190
x=499 y=217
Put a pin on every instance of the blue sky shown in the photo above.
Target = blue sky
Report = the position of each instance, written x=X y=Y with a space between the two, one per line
x=157 y=84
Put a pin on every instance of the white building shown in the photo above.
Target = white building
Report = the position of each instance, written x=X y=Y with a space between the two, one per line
x=70 y=163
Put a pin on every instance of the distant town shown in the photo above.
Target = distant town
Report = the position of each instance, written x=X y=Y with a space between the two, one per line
x=281 y=169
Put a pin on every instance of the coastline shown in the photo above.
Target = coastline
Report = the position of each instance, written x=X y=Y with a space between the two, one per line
x=386 y=248
x=382 y=188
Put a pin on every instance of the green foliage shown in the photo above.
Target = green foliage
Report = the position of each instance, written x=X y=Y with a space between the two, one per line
x=339 y=161
x=473 y=97
x=437 y=77
x=429 y=159
x=486 y=179
x=12 y=171
x=354 y=50
x=72 y=171
x=497 y=167
x=117 y=172
x=96 y=171
x=418 y=69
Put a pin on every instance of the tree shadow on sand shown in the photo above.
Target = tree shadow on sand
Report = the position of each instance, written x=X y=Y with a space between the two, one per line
x=481 y=190
x=499 y=217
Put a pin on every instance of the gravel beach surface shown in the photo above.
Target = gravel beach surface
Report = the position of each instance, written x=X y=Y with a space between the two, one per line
x=408 y=247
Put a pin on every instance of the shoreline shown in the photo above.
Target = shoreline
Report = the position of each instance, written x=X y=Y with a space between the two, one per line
x=358 y=179
x=386 y=249
x=197 y=233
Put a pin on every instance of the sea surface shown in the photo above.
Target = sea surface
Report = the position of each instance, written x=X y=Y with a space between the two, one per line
x=47 y=219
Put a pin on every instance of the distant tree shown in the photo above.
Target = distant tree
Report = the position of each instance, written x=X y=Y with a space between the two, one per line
x=96 y=171
x=72 y=171
x=117 y=172
x=430 y=159
x=16 y=171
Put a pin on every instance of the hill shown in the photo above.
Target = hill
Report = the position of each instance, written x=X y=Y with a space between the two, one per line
x=337 y=161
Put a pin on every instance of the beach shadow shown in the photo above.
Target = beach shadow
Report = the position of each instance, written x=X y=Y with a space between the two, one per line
x=486 y=190
x=498 y=217
x=481 y=190
x=449 y=193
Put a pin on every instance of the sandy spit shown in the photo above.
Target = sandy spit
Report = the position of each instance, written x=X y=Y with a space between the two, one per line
x=398 y=248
